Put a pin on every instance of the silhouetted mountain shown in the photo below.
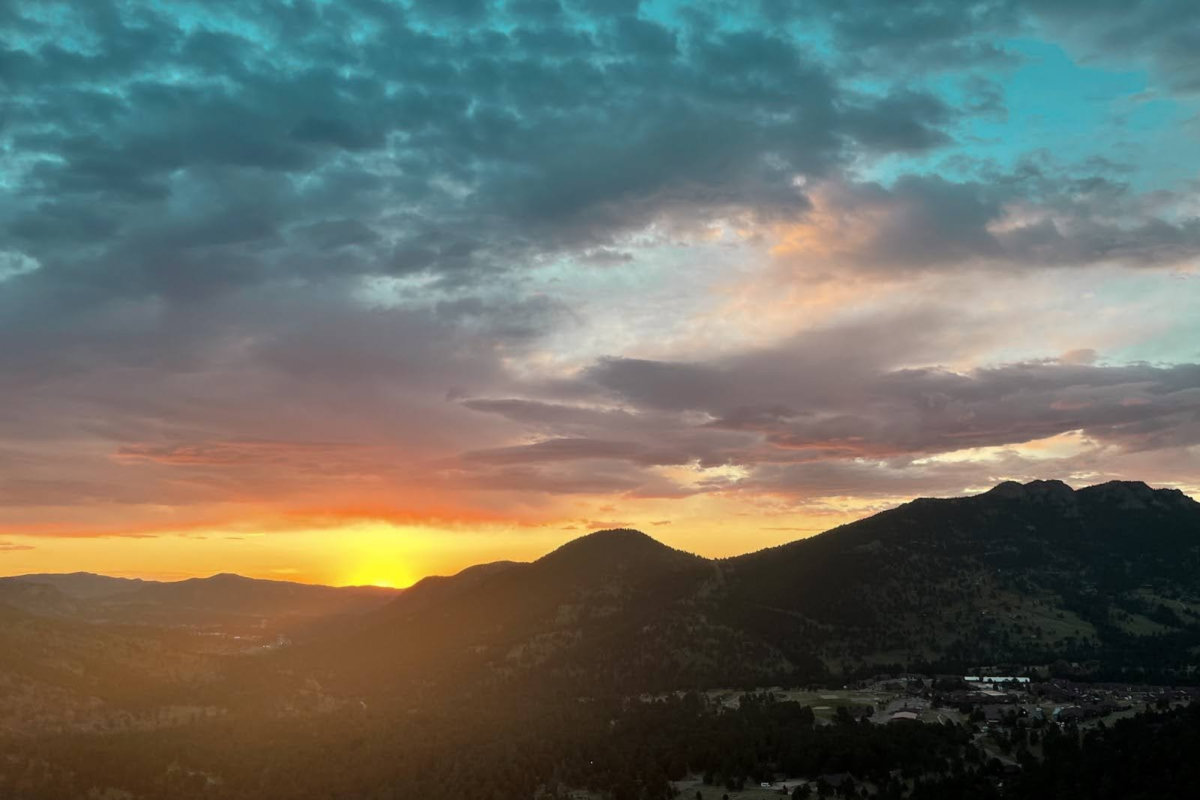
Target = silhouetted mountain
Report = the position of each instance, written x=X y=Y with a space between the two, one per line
x=235 y=595
x=440 y=588
x=193 y=601
x=83 y=585
x=1030 y=572
x=1023 y=573
x=599 y=590
x=617 y=550
x=513 y=660
x=37 y=598
x=1108 y=575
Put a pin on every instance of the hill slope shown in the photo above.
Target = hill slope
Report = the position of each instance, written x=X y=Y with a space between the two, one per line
x=1023 y=574
x=81 y=585
x=195 y=601
x=593 y=595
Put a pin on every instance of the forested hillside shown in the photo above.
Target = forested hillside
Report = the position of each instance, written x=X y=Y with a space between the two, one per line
x=1107 y=577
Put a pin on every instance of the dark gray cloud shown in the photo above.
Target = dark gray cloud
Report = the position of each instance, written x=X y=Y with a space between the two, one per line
x=891 y=37
x=183 y=137
x=1165 y=33
x=916 y=411
x=802 y=412
x=1027 y=218
x=878 y=35
x=316 y=142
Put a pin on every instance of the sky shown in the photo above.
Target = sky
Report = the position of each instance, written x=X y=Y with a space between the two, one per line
x=362 y=291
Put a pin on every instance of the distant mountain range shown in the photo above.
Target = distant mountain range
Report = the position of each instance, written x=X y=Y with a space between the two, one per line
x=90 y=652
x=82 y=585
x=195 y=600
x=1105 y=578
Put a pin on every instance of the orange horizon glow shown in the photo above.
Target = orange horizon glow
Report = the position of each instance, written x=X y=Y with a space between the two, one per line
x=383 y=553
x=394 y=555
x=394 y=543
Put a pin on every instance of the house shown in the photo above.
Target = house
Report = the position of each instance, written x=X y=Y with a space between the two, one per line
x=1072 y=714
x=836 y=779
x=1112 y=707
x=994 y=714
x=1056 y=693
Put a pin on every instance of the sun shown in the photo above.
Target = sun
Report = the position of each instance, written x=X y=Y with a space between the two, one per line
x=384 y=576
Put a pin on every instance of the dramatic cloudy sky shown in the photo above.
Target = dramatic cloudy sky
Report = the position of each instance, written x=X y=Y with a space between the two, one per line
x=362 y=290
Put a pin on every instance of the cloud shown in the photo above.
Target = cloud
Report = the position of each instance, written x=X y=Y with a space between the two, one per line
x=877 y=35
x=1018 y=220
x=927 y=410
x=1163 y=34
x=195 y=152
x=13 y=547
x=845 y=401
x=281 y=261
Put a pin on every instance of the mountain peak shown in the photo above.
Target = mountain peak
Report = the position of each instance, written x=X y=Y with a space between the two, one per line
x=226 y=577
x=611 y=547
x=1007 y=489
x=1044 y=490
x=1123 y=487
x=1136 y=495
x=613 y=538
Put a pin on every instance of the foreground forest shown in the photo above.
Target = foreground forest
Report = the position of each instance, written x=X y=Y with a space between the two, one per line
x=639 y=751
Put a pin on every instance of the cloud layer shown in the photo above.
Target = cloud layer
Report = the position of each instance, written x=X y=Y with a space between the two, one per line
x=489 y=263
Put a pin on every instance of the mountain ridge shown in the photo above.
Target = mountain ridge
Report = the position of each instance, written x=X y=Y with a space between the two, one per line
x=1134 y=494
x=1024 y=573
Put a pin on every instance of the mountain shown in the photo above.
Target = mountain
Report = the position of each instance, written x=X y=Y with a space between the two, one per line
x=1024 y=574
x=60 y=673
x=437 y=589
x=219 y=599
x=1027 y=573
x=1106 y=577
x=595 y=593
x=38 y=598
x=82 y=585
x=234 y=594
x=510 y=676
x=86 y=652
